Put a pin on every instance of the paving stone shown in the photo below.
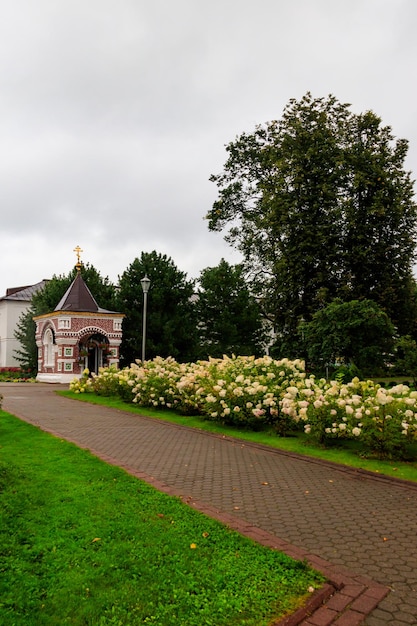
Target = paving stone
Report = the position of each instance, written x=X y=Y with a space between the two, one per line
x=323 y=617
x=351 y=618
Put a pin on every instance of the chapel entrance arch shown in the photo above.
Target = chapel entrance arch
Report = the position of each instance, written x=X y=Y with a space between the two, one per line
x=94 y=351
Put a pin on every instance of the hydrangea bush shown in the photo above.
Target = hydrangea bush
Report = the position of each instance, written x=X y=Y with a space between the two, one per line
x=252 y=392
x=248 y=391
x=385 y=421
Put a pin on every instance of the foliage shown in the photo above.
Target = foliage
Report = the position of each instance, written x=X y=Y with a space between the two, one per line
x=380 y=220
x=156 y=383
x=384 y=420
x=356 y=333
x=321 y=207
x=229 y=318
x=171 y=321
x=168 y=384
x=249 y=392
x=406 y=357
x=110 y=382
x=255 y=393
x=27 y=353
x=83 y=542
x=47 y=299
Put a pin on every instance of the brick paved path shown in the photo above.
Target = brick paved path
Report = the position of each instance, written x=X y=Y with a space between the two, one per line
x=364 y=523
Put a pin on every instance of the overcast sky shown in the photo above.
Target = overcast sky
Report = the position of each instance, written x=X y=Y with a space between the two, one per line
x=114 y=113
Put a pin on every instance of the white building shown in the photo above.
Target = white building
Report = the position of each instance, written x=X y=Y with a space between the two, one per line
x=16 y=302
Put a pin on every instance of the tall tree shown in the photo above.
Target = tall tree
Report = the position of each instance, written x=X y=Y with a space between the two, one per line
x=379 y=221
x=47 y=299
x=229 y=318
x=171 y=321
x=306 y=199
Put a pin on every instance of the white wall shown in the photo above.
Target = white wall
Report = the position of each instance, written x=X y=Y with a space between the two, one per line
x=10 y=312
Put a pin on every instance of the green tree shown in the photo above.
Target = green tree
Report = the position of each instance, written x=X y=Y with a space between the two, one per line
x=312 y=199
x=229 y=318
x=406 y=357
x=355 y=333
x=171 y=321
x=47 y=299
x=27 y=354
x=379 y=221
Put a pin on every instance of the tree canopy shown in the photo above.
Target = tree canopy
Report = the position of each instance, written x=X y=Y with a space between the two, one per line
x=229 y=318
x=321 y=207
x=171 y=322
x=355 y=333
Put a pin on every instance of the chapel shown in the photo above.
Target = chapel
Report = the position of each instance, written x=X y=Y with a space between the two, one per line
x=78 y=334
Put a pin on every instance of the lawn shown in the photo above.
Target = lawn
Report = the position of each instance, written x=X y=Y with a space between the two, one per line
x=85 y=543
x=345 y=453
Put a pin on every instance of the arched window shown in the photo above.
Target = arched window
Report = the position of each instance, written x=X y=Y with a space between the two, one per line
x=48 y=348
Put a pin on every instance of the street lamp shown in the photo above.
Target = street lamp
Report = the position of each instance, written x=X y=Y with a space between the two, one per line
x=301 y=325
x=145 y=282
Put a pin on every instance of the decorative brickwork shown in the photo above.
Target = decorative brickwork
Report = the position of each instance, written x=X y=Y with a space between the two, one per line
x=71 y=340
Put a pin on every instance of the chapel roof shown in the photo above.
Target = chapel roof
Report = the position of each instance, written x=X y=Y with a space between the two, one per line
x=78 y=298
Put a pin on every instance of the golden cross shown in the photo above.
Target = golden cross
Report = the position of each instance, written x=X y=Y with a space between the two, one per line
x=78 y=251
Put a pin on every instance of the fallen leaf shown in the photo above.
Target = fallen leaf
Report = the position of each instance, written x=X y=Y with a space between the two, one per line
x=96 y=539
x=205 y=534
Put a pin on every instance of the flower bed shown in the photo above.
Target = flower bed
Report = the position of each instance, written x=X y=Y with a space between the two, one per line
x=255 y=393
x=15 y=374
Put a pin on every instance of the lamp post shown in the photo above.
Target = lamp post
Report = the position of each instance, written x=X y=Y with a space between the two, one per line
x=145 y=282
x=302 y=322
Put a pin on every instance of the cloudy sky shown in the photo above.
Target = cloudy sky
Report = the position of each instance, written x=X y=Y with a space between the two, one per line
x=114 y=113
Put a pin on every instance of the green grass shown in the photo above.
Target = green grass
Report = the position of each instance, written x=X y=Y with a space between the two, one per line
x=347 y=454
x=85 y=543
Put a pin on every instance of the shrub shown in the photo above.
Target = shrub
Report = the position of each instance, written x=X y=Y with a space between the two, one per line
x=385 y=421
x=155 y=383
x=250 y=392
x=83 y=384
